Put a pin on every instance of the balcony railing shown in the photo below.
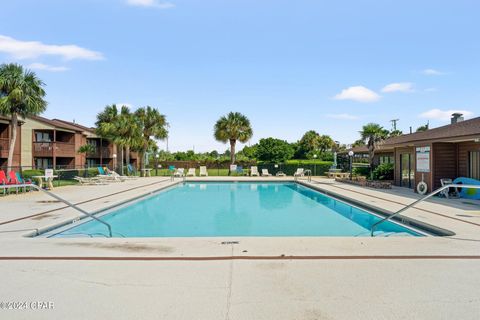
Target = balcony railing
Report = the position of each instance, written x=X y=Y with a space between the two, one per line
x=101 y=152
x=62 y=149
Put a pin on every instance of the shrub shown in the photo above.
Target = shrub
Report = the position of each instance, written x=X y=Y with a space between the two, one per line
x=384 y=172
x=361 y=171
x=273 y=150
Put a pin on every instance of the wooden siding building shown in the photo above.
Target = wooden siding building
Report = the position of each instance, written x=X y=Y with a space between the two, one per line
x=449 y=151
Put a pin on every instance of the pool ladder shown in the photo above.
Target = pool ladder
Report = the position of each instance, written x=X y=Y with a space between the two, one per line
x=68 y=203
x=376 y=224
x=307 y=173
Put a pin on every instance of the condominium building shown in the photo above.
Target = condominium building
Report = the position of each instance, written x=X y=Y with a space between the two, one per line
x=54 y=143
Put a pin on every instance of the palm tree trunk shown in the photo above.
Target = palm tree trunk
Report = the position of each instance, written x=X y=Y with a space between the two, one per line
x=13 y=139
x=371 y=156
x=232 y=151
x=121 y=163
x=127 y=154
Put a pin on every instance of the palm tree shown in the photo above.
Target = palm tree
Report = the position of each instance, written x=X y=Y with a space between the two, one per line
x=21 y=94
x=232 y=127
x=128 y=131
x=119 y=127
x=372 y=134
x=151 y=123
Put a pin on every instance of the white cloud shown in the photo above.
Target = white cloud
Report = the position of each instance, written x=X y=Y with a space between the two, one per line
x=46 y=67
x=32 y=49
x=357 y=93
x=432 y=72
x=443 y=115
x=398 y=87
x=342 y=116
x=151 y=3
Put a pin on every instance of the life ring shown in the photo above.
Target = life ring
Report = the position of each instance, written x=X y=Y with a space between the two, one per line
x=422 y=188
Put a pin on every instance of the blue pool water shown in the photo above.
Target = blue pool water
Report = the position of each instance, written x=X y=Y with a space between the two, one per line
x=237 y=209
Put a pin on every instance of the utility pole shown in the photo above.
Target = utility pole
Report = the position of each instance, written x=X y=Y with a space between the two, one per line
x=394 y=124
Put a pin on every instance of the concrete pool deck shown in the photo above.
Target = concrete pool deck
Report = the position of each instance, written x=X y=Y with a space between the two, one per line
x=256 y=278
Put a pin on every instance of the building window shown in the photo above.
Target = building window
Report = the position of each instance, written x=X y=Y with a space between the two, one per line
x=386 y=159
x=474 y=165
x=43 y=163
x=91 y=163
x=42 y=137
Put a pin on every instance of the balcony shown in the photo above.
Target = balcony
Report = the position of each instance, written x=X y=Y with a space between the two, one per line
x=46 y=149
x=4 y=146
x=101 y=152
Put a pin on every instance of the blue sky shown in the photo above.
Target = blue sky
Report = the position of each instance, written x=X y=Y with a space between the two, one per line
x=290 y=66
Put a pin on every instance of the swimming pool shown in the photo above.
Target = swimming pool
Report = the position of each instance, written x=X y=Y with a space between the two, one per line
x=215 y=209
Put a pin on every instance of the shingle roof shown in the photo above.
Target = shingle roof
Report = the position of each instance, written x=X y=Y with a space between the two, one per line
x=457 y=131
x=79 y=126
x=56 y=123
x=452 y=131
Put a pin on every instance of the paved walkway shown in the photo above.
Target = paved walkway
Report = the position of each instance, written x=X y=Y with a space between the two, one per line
x=256 y=278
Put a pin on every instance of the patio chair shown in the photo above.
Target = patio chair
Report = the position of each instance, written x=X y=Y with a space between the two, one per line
x=265 y=173
x=180 y=172
x=7 y=182
x=131 y=170
x=203 y=171
x=89 y=181
x=191 y=172
x=299 y=173
x=22 y=180
x=233 y=168
x=109 y=176
x=240 y=170
x=254 y=171
x=450 y=193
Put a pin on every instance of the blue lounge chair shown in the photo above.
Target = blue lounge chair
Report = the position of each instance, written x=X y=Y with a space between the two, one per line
x=131 y=170
x=23 y=181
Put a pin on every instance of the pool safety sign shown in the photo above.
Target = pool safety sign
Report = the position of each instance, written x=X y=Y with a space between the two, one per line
x=423 y=159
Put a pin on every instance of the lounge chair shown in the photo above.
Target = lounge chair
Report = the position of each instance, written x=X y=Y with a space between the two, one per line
x=203 y=171
x=240 y=170
x=299 y=173
x=233 y=168
x=8 y=182
x=22 y=180
x=118 y=176
x=265 y=173
x=131 y=170
x=109 y=176
x=254 y=171
x=191 y=172
x=89 y=181
x=180 y=172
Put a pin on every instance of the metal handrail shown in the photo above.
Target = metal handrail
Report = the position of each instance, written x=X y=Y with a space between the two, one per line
x=420 y=200
x=68 y=203
x=308 y=173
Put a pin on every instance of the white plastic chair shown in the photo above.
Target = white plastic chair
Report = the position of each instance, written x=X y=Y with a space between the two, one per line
x=203 y=171
x=299 y=172
x=179 y=173
x=265 y=173
x=191 y=172
x=254 y=171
